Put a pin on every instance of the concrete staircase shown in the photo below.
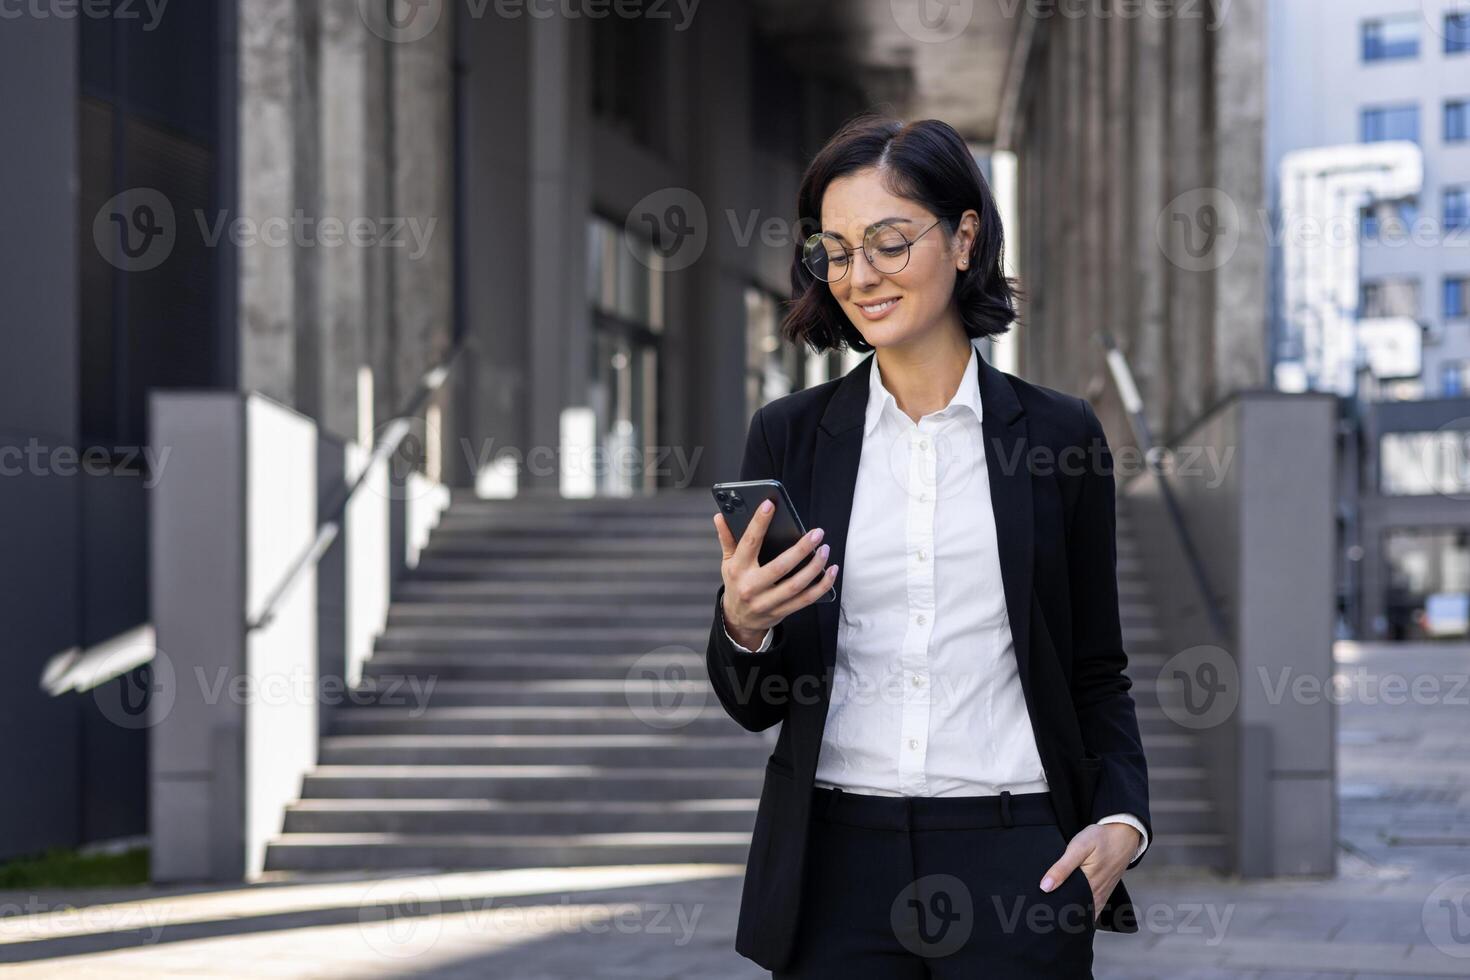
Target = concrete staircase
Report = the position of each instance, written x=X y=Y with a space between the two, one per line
x=539 y=697
x=1185 y=825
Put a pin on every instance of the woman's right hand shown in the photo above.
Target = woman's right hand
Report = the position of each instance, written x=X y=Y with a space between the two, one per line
x=755 y=597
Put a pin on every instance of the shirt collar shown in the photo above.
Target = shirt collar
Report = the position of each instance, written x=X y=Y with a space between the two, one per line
x=968 y=394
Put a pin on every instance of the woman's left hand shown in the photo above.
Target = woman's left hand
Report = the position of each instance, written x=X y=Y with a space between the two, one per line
x=1103 y=852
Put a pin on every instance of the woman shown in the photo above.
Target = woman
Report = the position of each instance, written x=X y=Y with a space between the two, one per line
x=959 y=783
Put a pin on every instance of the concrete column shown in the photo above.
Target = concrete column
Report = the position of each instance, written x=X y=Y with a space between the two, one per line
x=1147 y=194
x=1121 y=228
x=423 y=199
x=1089 y=367
x=719 y=132
x=1240 y=355
x=555 y=240
x=1189 y=143
x=269 y=39
x=495 y=209
x=350 y=147
x=39 y=582
x=233 y=716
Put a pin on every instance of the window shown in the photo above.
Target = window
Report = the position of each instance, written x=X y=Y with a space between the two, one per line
x=1456 y=208
x=1456 y=33
x=1388 y=220
x=1457 y=121
x=1454 y=297
x=625 y=287
x=1454 y=379
x=1422 y=463
x=624 y=275
x=1388 y=297
x=1391 y=37
x=1390 y=123
x=1427 y=572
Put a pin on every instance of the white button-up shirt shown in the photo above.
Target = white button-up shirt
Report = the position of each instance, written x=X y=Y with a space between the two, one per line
x=926 y=694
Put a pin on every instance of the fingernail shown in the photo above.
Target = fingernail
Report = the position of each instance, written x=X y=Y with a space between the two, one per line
x=1047 y=884
x=815 y=535
x=766 y=506
x=824 y=549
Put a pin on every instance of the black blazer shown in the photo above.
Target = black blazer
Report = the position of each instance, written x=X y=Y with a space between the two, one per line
x=1055 y=525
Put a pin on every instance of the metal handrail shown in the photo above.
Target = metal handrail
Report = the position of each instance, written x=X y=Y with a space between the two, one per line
x=330 y=527
x=1122 y=376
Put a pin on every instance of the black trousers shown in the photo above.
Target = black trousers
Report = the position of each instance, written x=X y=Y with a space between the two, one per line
x=947 y=887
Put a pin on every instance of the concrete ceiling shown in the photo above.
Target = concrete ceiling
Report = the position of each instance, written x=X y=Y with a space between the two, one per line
x=946 y=59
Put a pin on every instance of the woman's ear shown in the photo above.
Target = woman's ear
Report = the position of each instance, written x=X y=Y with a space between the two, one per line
x=965 y=234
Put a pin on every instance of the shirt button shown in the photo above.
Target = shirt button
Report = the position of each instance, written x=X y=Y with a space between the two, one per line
x=921 y=619
x=923 y=443
x=922 y=554
x=913 y=743
x=918 y=681
x=923 y=497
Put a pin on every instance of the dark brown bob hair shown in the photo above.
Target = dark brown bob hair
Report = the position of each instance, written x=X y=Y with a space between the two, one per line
x=927 y=162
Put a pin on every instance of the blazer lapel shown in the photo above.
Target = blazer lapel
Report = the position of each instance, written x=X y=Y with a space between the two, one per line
x=834 y=478
x=1007 y=449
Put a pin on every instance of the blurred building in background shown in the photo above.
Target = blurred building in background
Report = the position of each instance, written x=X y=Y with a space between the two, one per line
x=1368 y=149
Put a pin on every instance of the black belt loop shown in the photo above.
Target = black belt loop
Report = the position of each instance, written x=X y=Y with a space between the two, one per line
x=1005 y=807
x=832 y=799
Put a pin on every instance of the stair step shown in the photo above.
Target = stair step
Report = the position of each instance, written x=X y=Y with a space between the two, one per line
x=705 y=549
x=610 y=693
x=553 y=591
x=530 y=782
x=697 y=716
x=688 y=615
x=533 y=640
x=431 y=816
x=1204 y=850
x=597 y=750
x=651 y=573
x=572 y=525
x=340 y=852
x=453 y=666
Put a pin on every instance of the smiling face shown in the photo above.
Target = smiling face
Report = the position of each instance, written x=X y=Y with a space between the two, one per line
x=898 y=307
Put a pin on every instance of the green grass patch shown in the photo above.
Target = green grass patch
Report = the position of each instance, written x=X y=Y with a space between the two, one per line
x=66 y=868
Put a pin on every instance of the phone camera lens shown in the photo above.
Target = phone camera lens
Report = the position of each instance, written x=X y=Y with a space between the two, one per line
x=721 y=494
x=727 y=508
x=736 y=500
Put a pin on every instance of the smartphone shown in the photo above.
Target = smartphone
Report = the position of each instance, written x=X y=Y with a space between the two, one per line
x=738 y=502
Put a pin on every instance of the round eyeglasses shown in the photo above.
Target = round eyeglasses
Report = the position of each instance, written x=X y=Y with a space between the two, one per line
x=887 y=250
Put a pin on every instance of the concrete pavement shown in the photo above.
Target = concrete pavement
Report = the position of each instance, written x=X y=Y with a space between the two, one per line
x=1397 y=907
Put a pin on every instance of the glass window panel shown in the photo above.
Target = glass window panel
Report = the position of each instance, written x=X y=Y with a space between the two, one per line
x=1391 y=37
x=1390 y=123
x=1457 y=121
x=1422 y=463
